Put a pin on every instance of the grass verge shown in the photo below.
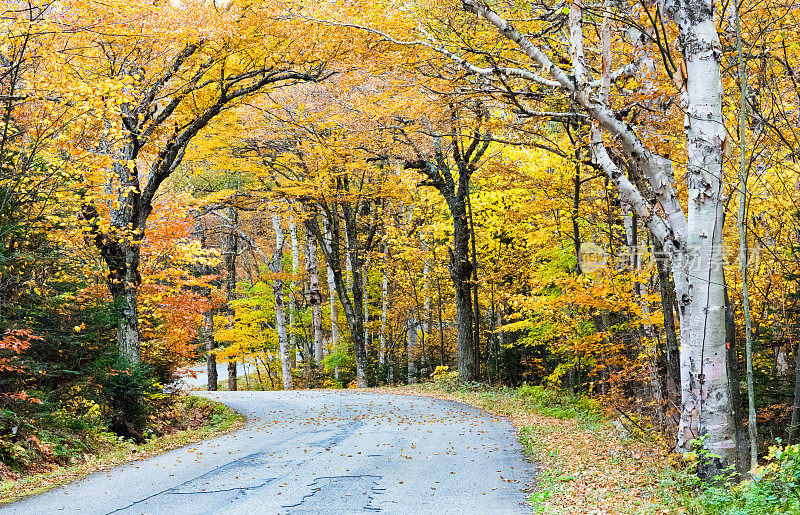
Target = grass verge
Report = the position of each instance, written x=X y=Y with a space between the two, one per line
x=585 y=463
x=110 y=451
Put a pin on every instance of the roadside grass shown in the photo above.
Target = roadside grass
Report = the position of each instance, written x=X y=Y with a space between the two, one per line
x=585 y=463
x=110 y=451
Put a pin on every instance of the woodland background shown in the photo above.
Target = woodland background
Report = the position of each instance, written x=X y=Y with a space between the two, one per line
x=369 y=194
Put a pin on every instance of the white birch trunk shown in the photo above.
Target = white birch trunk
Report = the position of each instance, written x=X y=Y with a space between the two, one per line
x=706 y=409
x=315 y=296
x=365 y=286
x=411 y=340
x=384 y=305
x=426 y=306
x=292 y=288
x=332 y=294
x=693 y=241
x=280 y=314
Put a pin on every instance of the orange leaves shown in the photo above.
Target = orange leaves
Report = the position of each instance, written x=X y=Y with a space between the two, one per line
x=12 y=344
x=172 y=298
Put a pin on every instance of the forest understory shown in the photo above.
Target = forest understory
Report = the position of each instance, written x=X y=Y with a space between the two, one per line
x=50 y=453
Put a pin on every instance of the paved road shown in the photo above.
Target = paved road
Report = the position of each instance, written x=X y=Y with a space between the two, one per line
x=320 y=452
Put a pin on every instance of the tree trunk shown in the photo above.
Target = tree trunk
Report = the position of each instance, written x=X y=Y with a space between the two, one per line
x=292 y=289
x=793 y=426
x=315 y=296
x=353 y=307
x=357 y=328
x=126 y=298
x=384 y=306
x=475 y=304
x=280 y=313
x=427 y=321
x=732 y=360
x=706 y=404
x=211 y=358
x=668 y=301
x=460 y=273
x=411 y=339
x=331 y=289
x=230 y=251
x=365 y=289
x=208 y=322
x=232 y=379
x=740 y=222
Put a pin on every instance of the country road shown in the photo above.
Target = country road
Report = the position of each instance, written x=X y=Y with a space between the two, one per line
x=320 y=452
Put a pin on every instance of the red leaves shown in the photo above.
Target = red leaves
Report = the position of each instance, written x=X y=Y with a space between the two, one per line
x=13 y=343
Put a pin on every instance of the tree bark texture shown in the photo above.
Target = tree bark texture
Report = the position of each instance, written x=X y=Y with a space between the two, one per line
x=315 y=296
x=292 y=289
x=280 y=310
x=384 y=306
x=693 y=238
x=331 y=289
x=208 y=323
x=412 y=340
x=230 y=251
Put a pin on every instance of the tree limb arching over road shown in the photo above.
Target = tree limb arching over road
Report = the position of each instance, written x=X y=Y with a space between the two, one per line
x=320 y=451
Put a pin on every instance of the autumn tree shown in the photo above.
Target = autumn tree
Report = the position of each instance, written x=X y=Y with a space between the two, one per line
x=169 y=71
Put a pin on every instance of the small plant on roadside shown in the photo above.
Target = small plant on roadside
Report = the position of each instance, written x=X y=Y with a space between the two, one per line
x=561 y=404
x=773 y=488
x=444 y=378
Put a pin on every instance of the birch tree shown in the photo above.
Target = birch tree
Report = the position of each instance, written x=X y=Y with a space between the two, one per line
x=292 y=289
x=692 y=237
x=280 y=310
x=315 y=295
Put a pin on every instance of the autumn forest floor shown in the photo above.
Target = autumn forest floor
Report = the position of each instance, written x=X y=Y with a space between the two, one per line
x=186 y=420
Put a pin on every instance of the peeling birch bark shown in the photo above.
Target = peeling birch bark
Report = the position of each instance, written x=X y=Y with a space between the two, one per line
x=384 y=306
x=280 y=312
x=315 y=297
x=292 y=289
x=692 y=238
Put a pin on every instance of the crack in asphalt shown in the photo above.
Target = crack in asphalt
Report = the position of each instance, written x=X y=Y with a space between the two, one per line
x=313 y=501
x=340 y=433
x=256 y=461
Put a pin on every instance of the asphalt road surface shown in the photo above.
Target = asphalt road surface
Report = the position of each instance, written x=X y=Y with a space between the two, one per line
x=320 y=452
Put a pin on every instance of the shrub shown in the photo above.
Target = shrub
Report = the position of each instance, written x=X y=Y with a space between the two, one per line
x=125 y=390
x=773 y=488
x=561 y=404
x=444 y=378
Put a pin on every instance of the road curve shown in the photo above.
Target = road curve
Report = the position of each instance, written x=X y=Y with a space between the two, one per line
x=320 y=452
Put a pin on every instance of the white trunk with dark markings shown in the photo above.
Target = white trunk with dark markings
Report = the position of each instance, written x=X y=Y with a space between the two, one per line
x=315 y=296
x=332 y=293
x=693 y=238
x=706 y=409
x=280 y=312
x=292 y=289
x=384 y=305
